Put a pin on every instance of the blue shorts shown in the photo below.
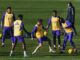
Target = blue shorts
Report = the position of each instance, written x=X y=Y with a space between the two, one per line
x=56 y=33
x=18 y=38
x=44 y=38
x=68 y=36
x=7 y=31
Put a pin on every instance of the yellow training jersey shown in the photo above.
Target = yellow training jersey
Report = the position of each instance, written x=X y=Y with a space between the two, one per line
x=68 y=29
x=55 y=23
x=39 y=32
x=8 y=19
x=17 y=28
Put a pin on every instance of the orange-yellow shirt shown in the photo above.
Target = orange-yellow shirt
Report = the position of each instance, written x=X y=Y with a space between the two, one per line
x=17 y=28
x=39 y=32
x=8 y=19
x=67 y=29
x=55 y=23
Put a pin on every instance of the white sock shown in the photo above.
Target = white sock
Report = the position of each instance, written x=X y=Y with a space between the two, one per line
x=2 y=43
x=54 y=45
x=11 y=52
x=50 y=48
x=59 y=45
x=12 y=44
x=25 y=55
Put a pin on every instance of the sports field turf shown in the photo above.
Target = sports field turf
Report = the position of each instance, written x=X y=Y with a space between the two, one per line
x=32 y=10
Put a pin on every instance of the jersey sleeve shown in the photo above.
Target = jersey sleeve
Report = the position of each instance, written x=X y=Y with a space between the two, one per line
x=2 y=19
x=68 y=24
x=23 y=28
x=49 y=22
x=34 y=30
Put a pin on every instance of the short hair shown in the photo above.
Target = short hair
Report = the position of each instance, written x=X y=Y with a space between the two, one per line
x=40 y=20
x=62 y=20
x=55 y=11
x=20 y=16
x=9 y=7
x=70 y=3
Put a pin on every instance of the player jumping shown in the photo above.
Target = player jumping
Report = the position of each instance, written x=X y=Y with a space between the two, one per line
x=38 y=32
x=7 y=19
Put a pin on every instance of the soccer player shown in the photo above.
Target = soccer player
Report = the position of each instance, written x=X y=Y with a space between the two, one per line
x=38 y=32
x=68 y=34
x=18 y=27
x=54 y=21
x=7 y=19
x=71 y=16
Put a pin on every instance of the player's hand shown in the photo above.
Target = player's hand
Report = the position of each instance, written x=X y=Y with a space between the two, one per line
x=46 y=27
x=45 y=33
x=32 y=38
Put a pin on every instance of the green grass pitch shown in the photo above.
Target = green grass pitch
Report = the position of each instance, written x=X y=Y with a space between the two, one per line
x=32 y=10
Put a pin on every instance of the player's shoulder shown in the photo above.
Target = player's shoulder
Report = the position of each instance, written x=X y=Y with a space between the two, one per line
x=58 y=17
x=68 y=22
x=36 y=25
x=3 y=13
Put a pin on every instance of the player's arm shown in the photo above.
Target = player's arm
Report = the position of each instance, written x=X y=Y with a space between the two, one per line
x=43 y=27
x=14 y=18
x=61 y=19
x=33 y=31
x=68 y=24
x=23 y=28
x=72 y=15
x=49 y=22
x=2 y=20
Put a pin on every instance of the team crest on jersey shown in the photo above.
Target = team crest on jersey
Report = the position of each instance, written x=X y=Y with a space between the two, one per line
x=16 y=23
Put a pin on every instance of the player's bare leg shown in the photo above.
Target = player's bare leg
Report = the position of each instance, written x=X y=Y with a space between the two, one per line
x=50 y=46
x=40 y=45
x=13 y=48
x=54 y=41
x=24 y=48
x=59 y=42
x=3 y=39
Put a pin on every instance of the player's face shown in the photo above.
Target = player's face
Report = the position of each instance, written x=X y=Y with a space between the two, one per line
x=39 y=23
x=68 y=5
x=8 y=10
x=54 y=14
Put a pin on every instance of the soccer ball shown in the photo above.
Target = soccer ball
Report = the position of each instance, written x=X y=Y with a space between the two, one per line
x=70 y=51
x=45 y=33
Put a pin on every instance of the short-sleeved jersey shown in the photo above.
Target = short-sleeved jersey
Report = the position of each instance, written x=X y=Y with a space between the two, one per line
x=39 y=32
x=8 y=19
x=55 y=23
x=66 y=28
x=17 y=28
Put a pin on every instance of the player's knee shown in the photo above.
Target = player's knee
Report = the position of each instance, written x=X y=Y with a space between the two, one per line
x=70 y=41
x=40 y=45
x=58 y=36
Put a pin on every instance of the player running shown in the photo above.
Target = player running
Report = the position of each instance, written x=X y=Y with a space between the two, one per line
x=54 y=21
x=18 y=34
x=7 y=19
x=68 y=34
x=38 y=32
